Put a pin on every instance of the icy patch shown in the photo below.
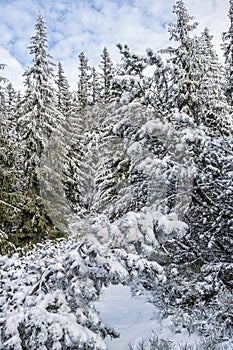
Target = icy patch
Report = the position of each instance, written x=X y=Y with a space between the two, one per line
x=135 y=318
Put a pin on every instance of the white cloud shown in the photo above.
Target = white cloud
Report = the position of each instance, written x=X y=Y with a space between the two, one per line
x=13 y=70
x=89 y=25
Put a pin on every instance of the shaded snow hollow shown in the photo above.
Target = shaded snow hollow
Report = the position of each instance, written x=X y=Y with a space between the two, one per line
x=135 y=318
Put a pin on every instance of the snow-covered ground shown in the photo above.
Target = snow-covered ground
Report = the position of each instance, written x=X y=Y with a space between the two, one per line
x=135 y=318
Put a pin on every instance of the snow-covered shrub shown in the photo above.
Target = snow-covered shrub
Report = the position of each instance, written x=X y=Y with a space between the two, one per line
x=45 y=296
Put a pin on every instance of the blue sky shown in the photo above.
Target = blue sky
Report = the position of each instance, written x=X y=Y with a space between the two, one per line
x=79 y=25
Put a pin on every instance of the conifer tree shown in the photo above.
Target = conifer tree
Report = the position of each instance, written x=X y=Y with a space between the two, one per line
x=108 y=73
x=111 y=169
x=84 y=81
x=95 y=86
x=38 y=114
x=10 y=104
x=211 y=109
x=228 y=54
x=63 y=94
x=4 y=130
x=38 y=122
x=10 y=198
x=182 y=84
x=65 y=105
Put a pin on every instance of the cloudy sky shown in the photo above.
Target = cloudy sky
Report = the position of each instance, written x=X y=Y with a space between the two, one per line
x=89 y=25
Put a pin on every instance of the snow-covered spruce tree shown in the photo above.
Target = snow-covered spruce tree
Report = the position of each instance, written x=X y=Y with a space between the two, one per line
x=95 y=160
x=107 y=74
x=228 y=54
x=184 y=83
x=67 y=135
x=112 y=168
x=80 y=125
x=70 y=184
x=38 y=121
x=212 y=109
x=63 y=93
x=11 y=99
x=37 y=115
x=8 y=198
x=196 y=81
x=211 y=211
x=11 y=106
x=95 y=88
x=84 y=156
x=84 y=83
x=11 y=200
x=86 y=160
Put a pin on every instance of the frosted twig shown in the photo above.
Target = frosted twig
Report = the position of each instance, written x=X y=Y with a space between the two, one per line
x=9 y=205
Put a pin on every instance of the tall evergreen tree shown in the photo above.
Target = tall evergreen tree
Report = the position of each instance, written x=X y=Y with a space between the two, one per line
x=37 y=120
x=228 y=54
x=211 y=109
x=39 y=123
x=108 y=73
x=10 y=200
x=38 y=107
x=11 y=103
x=95 y=86
x=84 y=81
x=63 y=94
x=183 y=83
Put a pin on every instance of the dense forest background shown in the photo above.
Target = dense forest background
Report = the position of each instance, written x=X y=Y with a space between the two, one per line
x=132 y=171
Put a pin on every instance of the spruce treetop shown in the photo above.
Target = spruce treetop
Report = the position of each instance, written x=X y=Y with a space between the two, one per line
x=42 y=69
x=180 y=31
